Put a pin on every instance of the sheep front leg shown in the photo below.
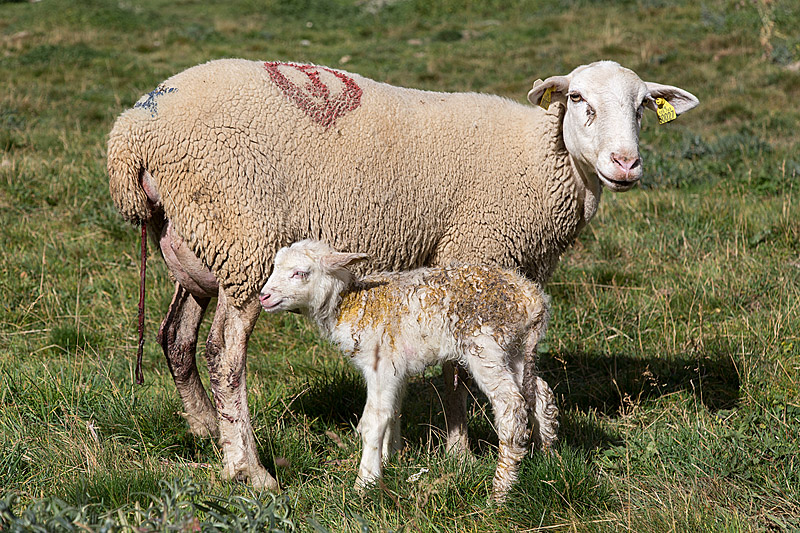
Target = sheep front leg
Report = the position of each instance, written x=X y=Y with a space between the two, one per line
x=227 y=357
x=455 y=407
x=178 y=338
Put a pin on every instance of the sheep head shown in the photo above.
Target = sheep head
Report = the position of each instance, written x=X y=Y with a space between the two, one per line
x=604 y=106
x=307 y=276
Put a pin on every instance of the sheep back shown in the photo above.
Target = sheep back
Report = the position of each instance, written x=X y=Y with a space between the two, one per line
x=249 y=156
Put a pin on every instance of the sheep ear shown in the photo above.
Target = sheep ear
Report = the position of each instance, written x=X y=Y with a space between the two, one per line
x=681 y=100
x=340 y=260
x=554 y=88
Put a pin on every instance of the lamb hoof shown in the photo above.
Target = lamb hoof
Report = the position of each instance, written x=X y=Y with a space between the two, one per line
x=498 y=498
x=362 y=484
x=547 y=450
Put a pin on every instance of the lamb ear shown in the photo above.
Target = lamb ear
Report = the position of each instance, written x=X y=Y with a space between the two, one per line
x=558 y=87
x=681 y=100
x=340 y=260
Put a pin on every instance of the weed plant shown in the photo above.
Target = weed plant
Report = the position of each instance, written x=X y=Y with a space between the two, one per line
x=673 y=348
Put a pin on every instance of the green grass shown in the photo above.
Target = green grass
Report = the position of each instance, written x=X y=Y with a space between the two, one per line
x=673 y=350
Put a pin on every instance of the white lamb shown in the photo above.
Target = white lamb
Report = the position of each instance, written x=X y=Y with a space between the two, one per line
x=391 y=325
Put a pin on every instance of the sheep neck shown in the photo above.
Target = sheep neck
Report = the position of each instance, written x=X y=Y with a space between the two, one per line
x=574 y=197
x=584 y=180
x=588 y=191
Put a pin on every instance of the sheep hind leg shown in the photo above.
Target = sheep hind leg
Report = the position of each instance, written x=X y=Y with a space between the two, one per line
x=455 y=408
x=227 y=357
x=178 y=338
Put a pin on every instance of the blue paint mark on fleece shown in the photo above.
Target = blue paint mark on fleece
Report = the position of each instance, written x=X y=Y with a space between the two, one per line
x=150 y=103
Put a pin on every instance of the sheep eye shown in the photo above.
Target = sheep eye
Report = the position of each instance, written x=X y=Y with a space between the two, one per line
x=575 y=97
x=300 y=274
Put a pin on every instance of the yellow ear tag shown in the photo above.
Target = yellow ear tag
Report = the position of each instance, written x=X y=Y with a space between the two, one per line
x=666 y=113
x=546 y=98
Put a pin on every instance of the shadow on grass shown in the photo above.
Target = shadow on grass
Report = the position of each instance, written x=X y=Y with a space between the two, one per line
x=336 y=398
x=611 y=384
x=586 y=385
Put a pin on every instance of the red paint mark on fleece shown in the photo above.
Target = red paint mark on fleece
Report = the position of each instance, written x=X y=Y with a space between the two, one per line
x=315 y=97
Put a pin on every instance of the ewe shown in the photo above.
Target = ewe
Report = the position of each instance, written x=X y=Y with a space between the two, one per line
x=393 y=324
x=229 y=161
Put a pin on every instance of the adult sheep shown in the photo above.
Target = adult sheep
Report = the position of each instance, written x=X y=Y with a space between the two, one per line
x=231 y=160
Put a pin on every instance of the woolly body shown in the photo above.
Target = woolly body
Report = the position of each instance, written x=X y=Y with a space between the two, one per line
x=385 y=168
x=230 y=160
x=393 y=325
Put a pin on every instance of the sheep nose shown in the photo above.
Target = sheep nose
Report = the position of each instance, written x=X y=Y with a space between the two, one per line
x=625 y=162
x=264 y=298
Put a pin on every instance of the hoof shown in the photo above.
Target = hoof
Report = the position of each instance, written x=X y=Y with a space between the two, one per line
x=498 y=499
x=257 y=477
x=362 y=484
x=460 y=450
x=264 y=481
x=458 y=445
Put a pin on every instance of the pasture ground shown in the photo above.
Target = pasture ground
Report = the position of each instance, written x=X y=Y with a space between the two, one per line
x=673 y=350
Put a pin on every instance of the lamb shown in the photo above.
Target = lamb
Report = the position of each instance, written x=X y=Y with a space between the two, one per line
x=231 y=160
x=395 y=324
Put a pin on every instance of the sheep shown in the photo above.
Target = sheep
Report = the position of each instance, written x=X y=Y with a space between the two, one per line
x=231 y=160
x=395 y=324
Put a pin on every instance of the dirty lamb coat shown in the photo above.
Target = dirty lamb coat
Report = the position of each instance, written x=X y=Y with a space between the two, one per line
x=246 y=157
x=423 y=315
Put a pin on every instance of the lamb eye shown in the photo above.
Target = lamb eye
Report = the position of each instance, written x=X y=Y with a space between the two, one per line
x=575 y=97
x=300 y=274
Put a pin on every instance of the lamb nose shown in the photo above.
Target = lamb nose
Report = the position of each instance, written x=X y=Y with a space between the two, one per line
x=263 y=297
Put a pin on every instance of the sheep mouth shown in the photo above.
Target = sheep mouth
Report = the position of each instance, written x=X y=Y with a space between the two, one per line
x=617 y=185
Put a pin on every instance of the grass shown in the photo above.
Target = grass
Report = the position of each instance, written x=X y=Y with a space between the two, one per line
x=673 y=350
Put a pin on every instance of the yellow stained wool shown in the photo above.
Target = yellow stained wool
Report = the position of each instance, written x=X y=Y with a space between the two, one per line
x=473 y=298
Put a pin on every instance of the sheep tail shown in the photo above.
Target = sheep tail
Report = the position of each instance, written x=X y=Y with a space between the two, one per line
x=125 y=170
x=142 y=270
